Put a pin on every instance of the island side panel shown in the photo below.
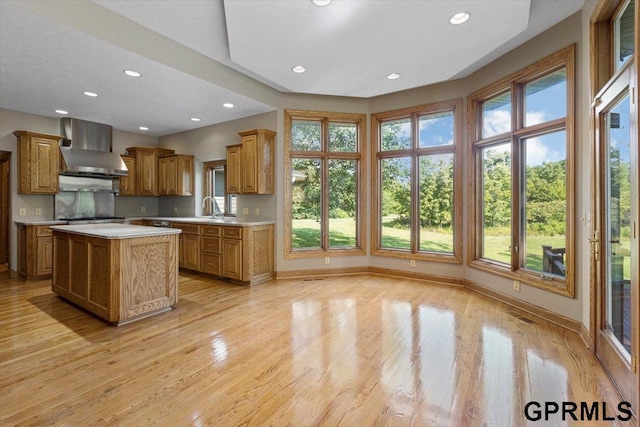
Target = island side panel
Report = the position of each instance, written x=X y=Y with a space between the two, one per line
x=148 y=275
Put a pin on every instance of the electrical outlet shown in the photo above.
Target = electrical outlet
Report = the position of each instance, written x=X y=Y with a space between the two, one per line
x=327 y=260
x=245 y=211
x=175 y=209
x=23 y=211
x=143 y=209
x=516 y=285
x=257 y=211
x=413 y=263
x=38 y=211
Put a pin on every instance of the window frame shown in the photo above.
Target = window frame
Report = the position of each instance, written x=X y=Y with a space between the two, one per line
x=453 y=106
x=207 y=170
x=324 y=156
x=516 y=82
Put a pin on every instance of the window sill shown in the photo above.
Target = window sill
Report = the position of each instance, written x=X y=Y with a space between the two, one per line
x=420 y=256
x=319 y=253
x=553 y=284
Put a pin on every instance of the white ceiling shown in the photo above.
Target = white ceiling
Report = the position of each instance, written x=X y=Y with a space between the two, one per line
x=196 y=55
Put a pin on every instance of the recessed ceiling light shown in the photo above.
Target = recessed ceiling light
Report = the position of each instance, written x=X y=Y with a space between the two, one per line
x=143 y=128
x=91 y=94
x=227 y=105
x=393 y=76
x=321 y=2
x=298 y=69
x=132 y=73
x=195 y=119
x=459 y=18
x=62 y=112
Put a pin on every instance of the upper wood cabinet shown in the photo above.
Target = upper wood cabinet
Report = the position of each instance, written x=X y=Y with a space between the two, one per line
x=176 y=175
x=38 y=162
x=128 y=183
x=146 y=168
x=233 y=177
x=250 y=165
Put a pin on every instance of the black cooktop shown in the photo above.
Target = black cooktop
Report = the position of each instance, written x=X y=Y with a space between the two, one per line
x=93 y=218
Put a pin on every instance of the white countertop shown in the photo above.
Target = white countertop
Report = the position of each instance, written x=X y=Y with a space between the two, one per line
x=207 y=220
x=116 y=231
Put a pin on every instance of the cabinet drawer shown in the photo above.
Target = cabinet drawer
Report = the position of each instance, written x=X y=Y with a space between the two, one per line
x=232 y=232
x=43 y=230
x=211 y=245
x=210 y=264
x=210 y=230
x=186 y=228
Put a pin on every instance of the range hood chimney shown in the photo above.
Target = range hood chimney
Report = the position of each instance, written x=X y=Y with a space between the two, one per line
x=86 y=150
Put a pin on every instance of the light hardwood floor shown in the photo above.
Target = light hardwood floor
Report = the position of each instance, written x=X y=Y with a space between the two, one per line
x=353 y=351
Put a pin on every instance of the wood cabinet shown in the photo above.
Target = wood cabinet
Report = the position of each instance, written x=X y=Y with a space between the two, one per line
x=250 y=165
x=35 y=252
x=241 y=253
x=119 y=279
x=38 y=162
x=233 y=172
x=189 y=245
x=210 y=249
x=128 y=183
x=146 y=168
x=176 y=175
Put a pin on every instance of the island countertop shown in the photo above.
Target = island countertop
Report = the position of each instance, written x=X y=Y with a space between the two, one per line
x=115 y=231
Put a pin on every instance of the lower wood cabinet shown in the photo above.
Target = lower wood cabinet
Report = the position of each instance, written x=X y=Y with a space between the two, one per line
x=35 y=252
x=243 y=254
x=189 y=245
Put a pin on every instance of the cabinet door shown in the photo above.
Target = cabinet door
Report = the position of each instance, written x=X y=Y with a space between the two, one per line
x=128 y=183
x=185 y=175
x=249 y=164
x=44 y=256
x=167 y=176
x=45 y=160
x=191 y=250
x=146 y=173
x=233 y=174
x=232 y=258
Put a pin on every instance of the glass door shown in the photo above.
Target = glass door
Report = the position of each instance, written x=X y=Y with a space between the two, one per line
x=616 y=244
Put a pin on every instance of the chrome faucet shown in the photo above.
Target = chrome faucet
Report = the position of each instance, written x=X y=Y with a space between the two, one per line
x=217 y=212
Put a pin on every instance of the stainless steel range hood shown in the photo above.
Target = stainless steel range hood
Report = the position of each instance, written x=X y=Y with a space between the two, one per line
x=86 y=150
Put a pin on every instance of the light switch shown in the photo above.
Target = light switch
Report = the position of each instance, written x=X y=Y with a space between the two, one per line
x=38 y=211
x=257 y=211
x=245 y=211
x=23 y=211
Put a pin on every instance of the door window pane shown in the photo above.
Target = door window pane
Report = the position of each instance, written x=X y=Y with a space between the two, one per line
x=546 y=98
x=396 y=203
x=545 y=203
x=342 y=203
x=342 y=137
x=624 y=37
x=436 y=203
x=496 y=203
x=396 y=134
x=305 y=135
x=306 y=206
x=436 y=129
x=496 y=115
x=618 y=230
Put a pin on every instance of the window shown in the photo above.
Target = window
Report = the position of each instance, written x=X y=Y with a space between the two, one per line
x=623 y=33
x=521 y=203
x=323 y=212
x=417 y=207
x=215 y=187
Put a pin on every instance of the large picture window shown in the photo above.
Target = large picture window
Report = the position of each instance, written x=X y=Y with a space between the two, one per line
x=324 y=193
x=521 y=203
x=417 y=183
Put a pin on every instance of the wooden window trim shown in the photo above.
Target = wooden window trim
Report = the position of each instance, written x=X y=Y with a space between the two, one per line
x=563 y=58
x=324 y=155
x=455 y=107
x=207 y=168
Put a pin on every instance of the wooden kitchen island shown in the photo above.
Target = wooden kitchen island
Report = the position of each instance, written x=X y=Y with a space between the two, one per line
x=119 y=272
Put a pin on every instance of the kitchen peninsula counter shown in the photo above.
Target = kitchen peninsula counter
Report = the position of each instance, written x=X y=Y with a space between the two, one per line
x=119 y=272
